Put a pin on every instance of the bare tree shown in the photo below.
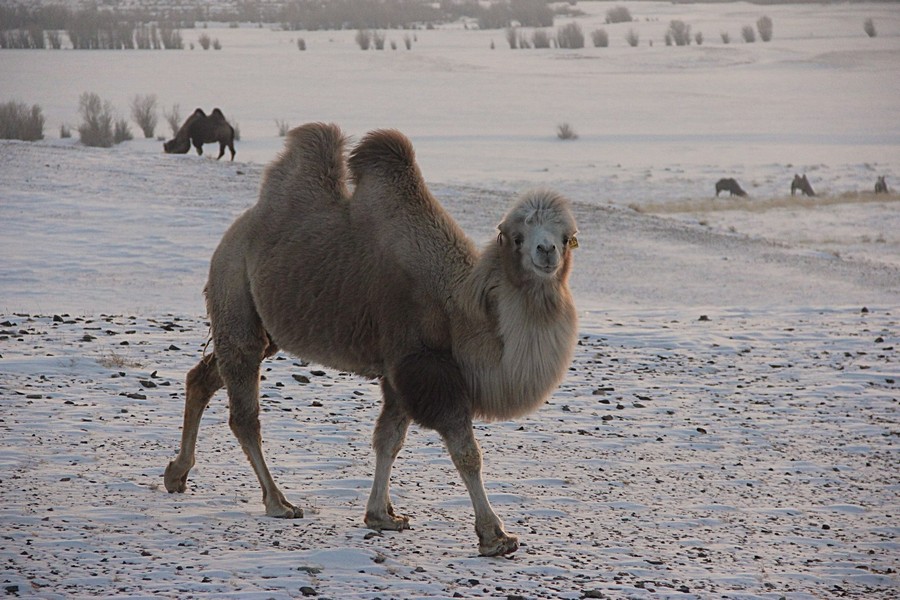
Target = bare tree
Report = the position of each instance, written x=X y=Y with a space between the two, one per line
x=173 y=118
x=143 y=111
x=764 y=26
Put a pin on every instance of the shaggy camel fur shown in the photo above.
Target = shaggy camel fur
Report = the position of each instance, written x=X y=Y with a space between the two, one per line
x=200 y=129
x=385 y=284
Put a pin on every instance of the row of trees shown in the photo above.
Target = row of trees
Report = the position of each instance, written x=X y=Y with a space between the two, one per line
x=571 y=36
x=309 y=15
x=96 y=35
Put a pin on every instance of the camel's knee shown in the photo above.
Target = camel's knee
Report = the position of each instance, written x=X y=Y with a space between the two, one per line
x=392 y=423
x=203 y=380
x=466 y=457
x=243 y=418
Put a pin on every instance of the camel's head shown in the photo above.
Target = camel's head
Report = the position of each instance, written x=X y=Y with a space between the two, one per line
x=177 y=145
x=538 y=235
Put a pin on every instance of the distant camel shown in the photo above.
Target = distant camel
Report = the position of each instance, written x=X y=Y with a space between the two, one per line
x=200 y=129
x=385 y=284
x=881 y=185
x=729 y=184
x=802 y=184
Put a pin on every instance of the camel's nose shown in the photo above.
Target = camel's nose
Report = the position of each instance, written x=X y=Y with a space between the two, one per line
x=546 y=248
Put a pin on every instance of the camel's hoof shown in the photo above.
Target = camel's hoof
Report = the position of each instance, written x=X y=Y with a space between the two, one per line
x=175 y=483
x=286 y=511
x=389 y=522
x=499 y=546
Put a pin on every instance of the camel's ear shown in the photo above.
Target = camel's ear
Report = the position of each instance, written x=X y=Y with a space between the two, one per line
x=500 y=238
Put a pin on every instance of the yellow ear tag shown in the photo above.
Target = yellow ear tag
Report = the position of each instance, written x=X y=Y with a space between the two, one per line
x=573 y=242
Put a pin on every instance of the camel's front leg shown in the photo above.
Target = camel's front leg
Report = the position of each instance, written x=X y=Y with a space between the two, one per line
x=492 y=537
x=390 y=432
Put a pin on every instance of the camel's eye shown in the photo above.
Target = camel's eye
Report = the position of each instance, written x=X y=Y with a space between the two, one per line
x=518 y=239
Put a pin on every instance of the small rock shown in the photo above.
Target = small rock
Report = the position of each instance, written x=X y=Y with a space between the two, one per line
x=703 y=318
x=301 y=378
x=308 y=591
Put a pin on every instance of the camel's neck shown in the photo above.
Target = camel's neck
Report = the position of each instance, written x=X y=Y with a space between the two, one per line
x=517 y=341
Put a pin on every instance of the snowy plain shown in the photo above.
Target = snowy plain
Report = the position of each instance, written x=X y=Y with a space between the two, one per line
x=729 y=427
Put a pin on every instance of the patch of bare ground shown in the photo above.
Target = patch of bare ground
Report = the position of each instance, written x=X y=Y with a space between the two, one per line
x=751 y=204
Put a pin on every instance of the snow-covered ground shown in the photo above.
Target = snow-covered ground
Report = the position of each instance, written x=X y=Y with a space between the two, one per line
x=729 y=426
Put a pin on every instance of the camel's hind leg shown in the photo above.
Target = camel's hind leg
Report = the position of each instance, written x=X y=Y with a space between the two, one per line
x=390 y=432
x=202 y=382
x=239 y=358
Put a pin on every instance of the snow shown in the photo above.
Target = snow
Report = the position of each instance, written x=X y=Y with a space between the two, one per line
x=729 y=424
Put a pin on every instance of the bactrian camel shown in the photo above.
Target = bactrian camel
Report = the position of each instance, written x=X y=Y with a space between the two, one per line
x=385 y=284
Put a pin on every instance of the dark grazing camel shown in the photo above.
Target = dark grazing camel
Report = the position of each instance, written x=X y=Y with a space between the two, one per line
x=201 y=129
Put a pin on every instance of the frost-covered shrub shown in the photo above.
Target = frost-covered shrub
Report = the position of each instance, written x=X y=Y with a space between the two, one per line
x=283 y=127
x=363 y=39
x=204 y=41
x=680 y=32
x=869 y=28
x=570 y=36
x=540 y=38
x=618 y=14
x=143 y=111
x=600 y=38
x=378 y=40
x=96 y=127
x=122 y=132
x=64 y=132
x=632 y=38
x=564 y=131
x=698 y=38
x=173 y=118
x=748 y=34
x=726 y=38
x=764 y=26
x=19 y=122
x=301 y=44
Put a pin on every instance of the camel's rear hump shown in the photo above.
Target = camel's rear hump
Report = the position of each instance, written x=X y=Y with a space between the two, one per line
x=383 y=152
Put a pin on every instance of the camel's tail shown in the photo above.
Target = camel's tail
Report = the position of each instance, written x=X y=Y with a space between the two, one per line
x=313 y=159
x=385 y=153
